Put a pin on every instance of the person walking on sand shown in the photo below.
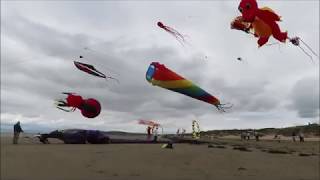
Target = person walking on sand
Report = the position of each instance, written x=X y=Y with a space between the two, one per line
x=256 y=135
x=294 y=136
x=277 y=137
x=301 y=137
x=16 y=132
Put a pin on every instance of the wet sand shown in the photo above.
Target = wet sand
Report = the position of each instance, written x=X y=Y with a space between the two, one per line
x=56 y=161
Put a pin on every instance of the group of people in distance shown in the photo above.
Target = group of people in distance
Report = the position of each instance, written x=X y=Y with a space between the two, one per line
x=153 y=131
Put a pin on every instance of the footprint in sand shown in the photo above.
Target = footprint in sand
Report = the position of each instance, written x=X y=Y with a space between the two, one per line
x=278 y=151
x=186 y=163
x=241 y=148
x=241 y=169
x=134 y=174
x=100 y=171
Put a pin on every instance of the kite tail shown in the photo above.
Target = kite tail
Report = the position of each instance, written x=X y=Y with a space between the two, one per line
x=179 y=37
x=309 y=48
x=176 y=33
x=296 y=41
x=304 y=51
x=110 y=77
x=223 y=107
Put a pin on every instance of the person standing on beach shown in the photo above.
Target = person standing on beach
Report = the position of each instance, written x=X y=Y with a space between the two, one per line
x=149 y=129
x=16 y=132
x=183 y=132
x=243 y=135
x=301 y=137
x=178 y=130
x=155 y=134
x=248 y=135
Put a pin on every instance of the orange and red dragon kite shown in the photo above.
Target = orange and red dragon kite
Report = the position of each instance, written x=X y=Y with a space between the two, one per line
x=262 y=23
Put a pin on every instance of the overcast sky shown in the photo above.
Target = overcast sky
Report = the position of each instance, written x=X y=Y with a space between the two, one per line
x=274 y=86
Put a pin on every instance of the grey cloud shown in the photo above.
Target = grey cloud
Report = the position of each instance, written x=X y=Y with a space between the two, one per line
x=305 y=97
x=44 y=40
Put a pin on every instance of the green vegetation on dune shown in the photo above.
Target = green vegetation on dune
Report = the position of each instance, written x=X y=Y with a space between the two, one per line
x=308 y=130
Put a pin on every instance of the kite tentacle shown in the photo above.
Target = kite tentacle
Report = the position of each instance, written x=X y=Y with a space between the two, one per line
x=67 y=93
x=175 y=32
x=66 y=110
x=62 y=105
x=178 y=36
x=223 y=107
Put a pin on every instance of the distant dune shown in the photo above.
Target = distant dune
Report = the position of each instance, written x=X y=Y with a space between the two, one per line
x=311 y=130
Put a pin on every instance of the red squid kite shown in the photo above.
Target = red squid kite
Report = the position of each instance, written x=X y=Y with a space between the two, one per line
x=89 y=108
x=179 y=37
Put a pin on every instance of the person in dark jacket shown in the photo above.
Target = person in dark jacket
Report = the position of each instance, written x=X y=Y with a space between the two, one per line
x=294 y=136
x=16 y=132
x=301 y=136
x=149 y=132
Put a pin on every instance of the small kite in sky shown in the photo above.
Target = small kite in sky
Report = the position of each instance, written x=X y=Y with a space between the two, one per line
x=173 y=32
x=195 y=130
x=148 y=123
x=90 y=69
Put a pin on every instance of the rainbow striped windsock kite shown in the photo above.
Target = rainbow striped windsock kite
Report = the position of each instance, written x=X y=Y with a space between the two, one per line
x=159 y=75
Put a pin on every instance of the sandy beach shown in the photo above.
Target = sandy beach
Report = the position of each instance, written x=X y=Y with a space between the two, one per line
x=225 y=161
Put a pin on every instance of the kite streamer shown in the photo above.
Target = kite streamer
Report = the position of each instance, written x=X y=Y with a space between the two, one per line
x=195 y=130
